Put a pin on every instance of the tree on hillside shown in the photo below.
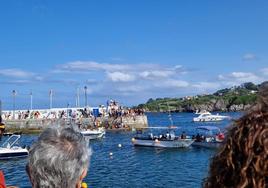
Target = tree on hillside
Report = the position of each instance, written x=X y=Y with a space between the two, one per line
x=250 y=86
x=150 y=100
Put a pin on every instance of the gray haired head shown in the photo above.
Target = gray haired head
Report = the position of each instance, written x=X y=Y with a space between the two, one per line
x=58 y=158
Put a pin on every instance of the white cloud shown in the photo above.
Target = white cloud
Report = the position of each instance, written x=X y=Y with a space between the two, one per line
x=171 y=83
x=92 y=66
x=39 y=78
x=249 y=57
x=124 y=72
x=264 y=71
x=237 y=78
x=120 y=77
x=221 y=77
x=91 y=81
x=84 y=66
x=133 y=88
x=16 y=73
x=207 y=85
x=244 y=76
x=178 y=67
x=156 y=74
x=117 y=59
x=16 y=82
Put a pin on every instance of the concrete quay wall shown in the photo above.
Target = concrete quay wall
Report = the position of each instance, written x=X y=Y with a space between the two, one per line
x=27 y=125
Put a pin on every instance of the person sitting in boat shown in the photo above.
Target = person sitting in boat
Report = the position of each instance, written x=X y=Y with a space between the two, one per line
x=167 y=135
x=203 y=137
x=220 y=137
x=59 y=158
x=172 y=135
x=151 y=136
x=183 y=135
x=198 y=138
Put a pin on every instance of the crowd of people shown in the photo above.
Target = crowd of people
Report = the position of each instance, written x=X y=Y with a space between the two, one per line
x=47 y=114
x=60 y=157
x=113 y=109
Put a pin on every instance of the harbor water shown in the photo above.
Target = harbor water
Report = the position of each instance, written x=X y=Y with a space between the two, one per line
x=130 y=166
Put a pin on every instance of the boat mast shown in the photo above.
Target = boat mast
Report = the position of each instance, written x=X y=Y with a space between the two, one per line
x=169 y=115
x=0 y=112
x=2 y=125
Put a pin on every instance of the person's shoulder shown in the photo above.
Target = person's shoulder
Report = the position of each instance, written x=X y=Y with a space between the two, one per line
x=2 y=180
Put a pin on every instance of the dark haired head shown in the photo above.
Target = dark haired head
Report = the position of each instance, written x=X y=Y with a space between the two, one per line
x=243 y=160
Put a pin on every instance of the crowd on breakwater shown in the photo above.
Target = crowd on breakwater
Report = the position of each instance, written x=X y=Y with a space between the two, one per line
x=112 y=116
x=113 y=109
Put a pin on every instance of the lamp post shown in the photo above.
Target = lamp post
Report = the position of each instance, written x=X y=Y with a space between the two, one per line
x=77 y=98
x=67 y=113
x=50 y=98
x=31 y=100
x=14 y=102
x=85 y=88
x=0 y=113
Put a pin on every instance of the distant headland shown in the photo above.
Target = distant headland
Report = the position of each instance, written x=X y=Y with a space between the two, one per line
x=237 y=98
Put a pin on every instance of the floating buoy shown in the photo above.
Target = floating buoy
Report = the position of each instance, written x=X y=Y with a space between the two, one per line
x=119 y=145
x=84 y=185
x=111 y=154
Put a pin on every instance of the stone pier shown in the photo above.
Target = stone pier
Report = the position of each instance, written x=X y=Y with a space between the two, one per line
x=37 y=125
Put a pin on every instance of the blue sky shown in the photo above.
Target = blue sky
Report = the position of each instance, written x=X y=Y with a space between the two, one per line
x=128 y=50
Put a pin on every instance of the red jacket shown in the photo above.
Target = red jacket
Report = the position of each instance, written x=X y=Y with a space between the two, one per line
x=2 y=180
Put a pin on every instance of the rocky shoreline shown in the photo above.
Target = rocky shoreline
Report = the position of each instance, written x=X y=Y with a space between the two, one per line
x=214 y=105
x=217 y=106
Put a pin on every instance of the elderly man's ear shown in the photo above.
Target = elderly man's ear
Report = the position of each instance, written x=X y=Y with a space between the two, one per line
x=27 y=168
x=83 y=175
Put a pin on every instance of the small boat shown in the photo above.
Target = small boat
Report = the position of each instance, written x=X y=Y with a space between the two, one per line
x=208 y=137
x=205 y=116
x=10 y=148
x=93 y=133
x=10 y=134
x=168 y=140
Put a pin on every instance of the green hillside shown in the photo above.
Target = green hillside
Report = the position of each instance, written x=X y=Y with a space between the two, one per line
x=228 y=99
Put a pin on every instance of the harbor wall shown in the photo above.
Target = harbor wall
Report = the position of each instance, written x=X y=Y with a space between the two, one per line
x=37 y=125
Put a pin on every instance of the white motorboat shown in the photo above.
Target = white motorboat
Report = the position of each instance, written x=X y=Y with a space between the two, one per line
x=168 y=140
x=10 y=148
x=208 y=137
x=207 y=116
x=93 y=133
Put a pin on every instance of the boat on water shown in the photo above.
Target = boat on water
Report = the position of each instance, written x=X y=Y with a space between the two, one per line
x=92 y=134
x=208 y=137
x=11 y=133
x=11 y=149
x=167 y=140
x=205 y=116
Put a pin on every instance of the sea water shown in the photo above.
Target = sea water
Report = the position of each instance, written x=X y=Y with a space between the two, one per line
x=131 y=166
